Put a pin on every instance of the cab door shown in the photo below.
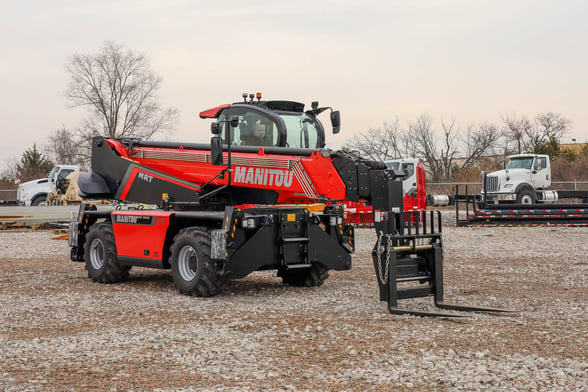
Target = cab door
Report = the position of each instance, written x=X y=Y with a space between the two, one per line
x=540 y=173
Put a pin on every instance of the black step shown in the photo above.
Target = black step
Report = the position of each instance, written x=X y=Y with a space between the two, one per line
x=296 y=239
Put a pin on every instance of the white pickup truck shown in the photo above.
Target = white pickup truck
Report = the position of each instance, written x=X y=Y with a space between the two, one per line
x=523 y=181
x=34 y=192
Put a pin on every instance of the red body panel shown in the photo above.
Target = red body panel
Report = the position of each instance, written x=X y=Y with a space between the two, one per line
x=141 y=233
x=296 y=179
x=420 y=201
x=214 y=112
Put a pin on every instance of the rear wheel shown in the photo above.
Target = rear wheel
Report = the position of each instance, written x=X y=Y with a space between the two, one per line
x=526 y=196
x=305 y=277
x=100 y=255
x=193 y=271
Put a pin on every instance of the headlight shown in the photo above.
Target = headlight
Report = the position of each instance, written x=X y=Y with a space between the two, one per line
x=507 y=186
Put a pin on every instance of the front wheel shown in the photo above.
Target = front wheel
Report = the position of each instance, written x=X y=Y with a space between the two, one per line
x=526 y=196
x=39 y=201
x=193 y=271
x=100 y=255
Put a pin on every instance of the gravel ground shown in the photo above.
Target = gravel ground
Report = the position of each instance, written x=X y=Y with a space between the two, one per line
x=60 y=331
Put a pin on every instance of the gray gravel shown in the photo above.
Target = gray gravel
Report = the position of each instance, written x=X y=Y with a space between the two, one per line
x=60 y=331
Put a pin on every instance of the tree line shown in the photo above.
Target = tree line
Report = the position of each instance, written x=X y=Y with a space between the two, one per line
x=443 y=144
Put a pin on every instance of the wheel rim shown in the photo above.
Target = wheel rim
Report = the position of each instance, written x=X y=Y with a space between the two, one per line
x=187 y=263
x=97 y=253
x=526 y=199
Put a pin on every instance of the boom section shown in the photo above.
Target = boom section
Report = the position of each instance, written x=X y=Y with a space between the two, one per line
x=282 y=175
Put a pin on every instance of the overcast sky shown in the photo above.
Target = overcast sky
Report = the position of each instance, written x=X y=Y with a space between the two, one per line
x=472 y=60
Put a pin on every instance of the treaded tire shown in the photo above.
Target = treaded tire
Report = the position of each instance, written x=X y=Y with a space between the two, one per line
x=305 y=277
x=100 y=255
x=39 y=201
x=526 y=196
x=193 y=271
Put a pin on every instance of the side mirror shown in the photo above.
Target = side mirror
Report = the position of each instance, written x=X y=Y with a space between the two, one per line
x=234 y=121
x=215 y=128
x=216 y=150
x=336 y=121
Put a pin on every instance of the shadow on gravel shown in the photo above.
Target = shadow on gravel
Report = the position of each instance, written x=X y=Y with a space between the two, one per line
x=152 y=279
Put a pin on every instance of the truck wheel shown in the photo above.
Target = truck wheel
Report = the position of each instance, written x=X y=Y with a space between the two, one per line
x=526 y=196
x=40 y=201
x=305 y=277
x=193 y=271
x=100 y=254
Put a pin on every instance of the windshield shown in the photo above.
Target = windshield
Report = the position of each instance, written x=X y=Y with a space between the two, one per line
x=520 y=163
x=303 y=130
x=397 y=165
x=53 y=172
x=409 y=168
x=393 y=165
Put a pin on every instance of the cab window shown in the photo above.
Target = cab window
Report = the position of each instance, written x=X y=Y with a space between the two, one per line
x=64 y=173
x=254 y=129
x=409 y=168
x=540 y=163
x=393 y=165
x=303 y=131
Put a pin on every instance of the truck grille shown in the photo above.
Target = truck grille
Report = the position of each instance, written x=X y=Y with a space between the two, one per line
x=491 y=183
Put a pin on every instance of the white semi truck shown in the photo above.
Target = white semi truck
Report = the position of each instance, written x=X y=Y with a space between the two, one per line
x=525 y=180
x=35 y=192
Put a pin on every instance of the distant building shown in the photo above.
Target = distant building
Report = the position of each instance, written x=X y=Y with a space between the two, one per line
x=575 y=147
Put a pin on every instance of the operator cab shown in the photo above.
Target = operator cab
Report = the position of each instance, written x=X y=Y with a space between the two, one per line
x=272 y=123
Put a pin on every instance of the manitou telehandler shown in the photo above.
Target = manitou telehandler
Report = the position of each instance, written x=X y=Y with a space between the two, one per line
x=264 y=194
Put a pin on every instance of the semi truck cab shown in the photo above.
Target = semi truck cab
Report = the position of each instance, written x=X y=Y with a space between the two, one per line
x=34 y=192
x=521 y=179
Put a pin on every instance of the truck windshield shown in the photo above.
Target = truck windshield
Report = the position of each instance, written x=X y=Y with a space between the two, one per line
x=407 y=167
x=520 y=163
x=393 y=165
x=303 y=130
x=53 y=172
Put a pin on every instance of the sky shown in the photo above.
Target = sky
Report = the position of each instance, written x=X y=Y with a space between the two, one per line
x=375 y=61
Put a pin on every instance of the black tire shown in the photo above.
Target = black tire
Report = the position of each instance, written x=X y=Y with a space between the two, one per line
x=193 y=271
x=100 y=255
x=40 y=201
x=526 y=196
x=305 y=277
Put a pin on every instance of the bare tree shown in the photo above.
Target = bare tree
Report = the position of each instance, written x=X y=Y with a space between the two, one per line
x=10 y=173
x=420 y=141
x=378 y=144
x=64 y=147
x=478 y=141
x=516 y=128
x=119 y=89
x=450 y=148
x=549 y=129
